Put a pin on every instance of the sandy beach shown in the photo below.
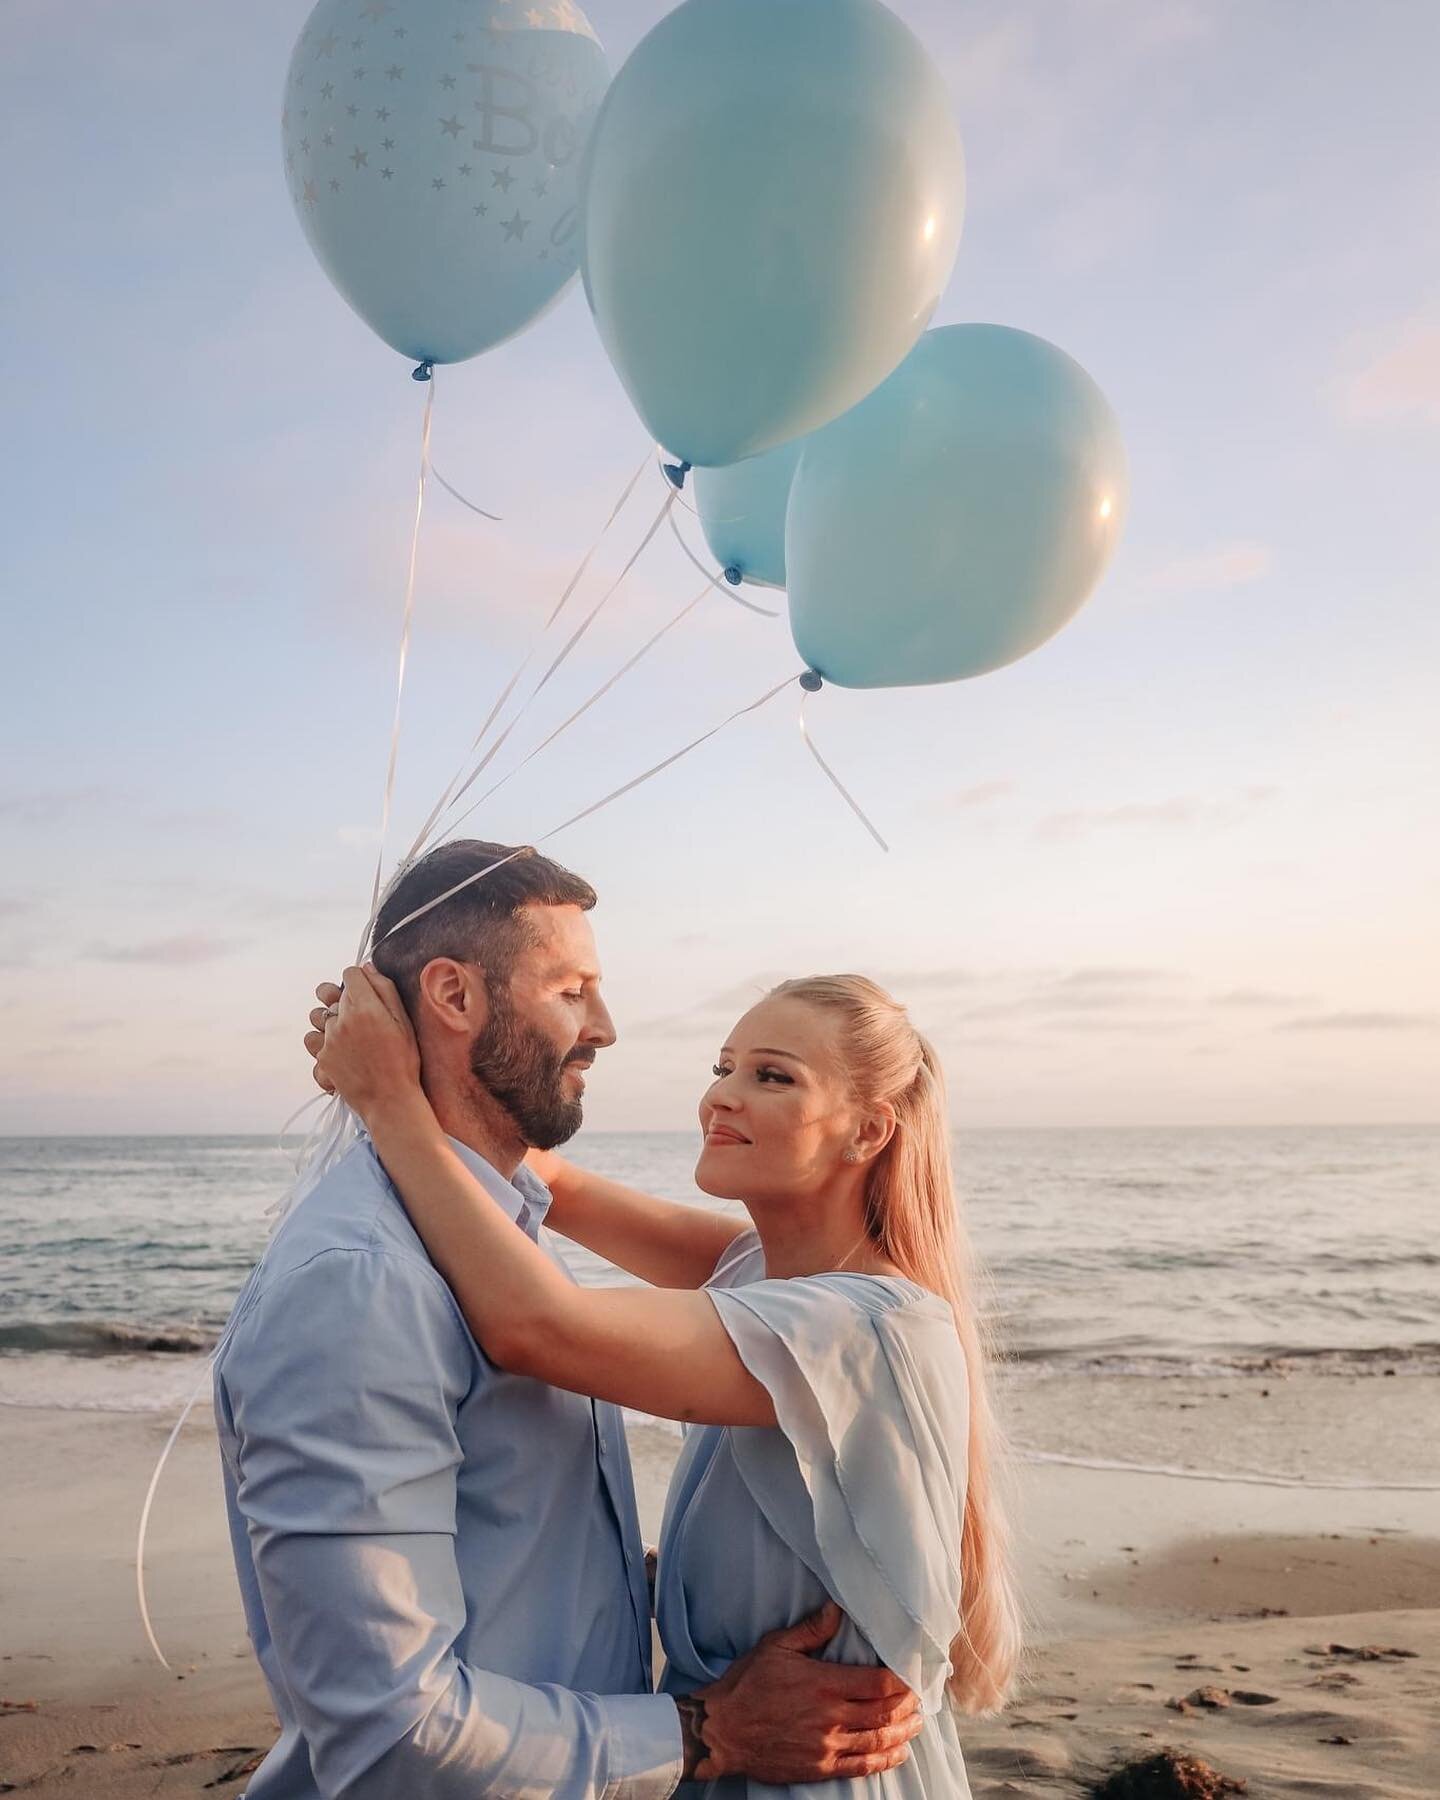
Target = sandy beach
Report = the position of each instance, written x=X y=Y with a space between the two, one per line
x=1288 y=1637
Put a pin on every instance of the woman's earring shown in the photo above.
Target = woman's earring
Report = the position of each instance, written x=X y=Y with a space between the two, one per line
x=851 y=1156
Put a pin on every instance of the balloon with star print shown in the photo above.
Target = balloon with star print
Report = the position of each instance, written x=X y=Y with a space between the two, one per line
x=432 y=151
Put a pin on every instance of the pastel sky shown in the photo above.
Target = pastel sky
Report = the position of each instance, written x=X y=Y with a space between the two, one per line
x=1182 y=865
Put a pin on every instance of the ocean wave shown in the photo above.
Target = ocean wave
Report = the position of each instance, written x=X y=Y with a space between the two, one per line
x=104 y=1337
x=1377 y=1360
x=164 y=1405
x=85 y=1339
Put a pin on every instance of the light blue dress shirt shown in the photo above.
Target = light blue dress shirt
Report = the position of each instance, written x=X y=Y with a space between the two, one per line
x=440 y=1562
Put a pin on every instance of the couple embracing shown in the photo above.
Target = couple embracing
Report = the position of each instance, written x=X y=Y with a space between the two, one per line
x=420 y=1412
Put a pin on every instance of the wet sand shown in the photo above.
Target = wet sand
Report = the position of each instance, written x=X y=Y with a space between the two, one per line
x=1263 y=1602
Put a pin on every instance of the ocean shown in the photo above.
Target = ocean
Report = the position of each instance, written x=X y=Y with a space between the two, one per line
x=1141 y=1253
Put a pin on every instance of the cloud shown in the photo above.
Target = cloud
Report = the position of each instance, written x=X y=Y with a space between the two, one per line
x=12 y=908
x=1363 y=1021
x=715 y=1013
x=1074 y=1000
x=1242 y=997
x=298 y=905
x=1100 y=224
x=1102 y=976
x=934 y=981
x=48 y=808
x=198 y=818
x=513 y=577
x=1182 y=813
x=1399 y=382
x=1060 y=74
x=1223 y=566
x=982 y=794
x=173 y=952
x=1142 y=1027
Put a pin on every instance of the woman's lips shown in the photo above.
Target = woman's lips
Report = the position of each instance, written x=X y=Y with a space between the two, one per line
x=720 y=1134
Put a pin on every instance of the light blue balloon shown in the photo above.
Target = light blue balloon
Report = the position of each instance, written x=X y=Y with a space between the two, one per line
x=958 y=517
x=742 y=513
x=772 y=209
x=433 y=151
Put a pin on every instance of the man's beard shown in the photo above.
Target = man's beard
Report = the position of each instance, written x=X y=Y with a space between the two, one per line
x=522 y=1069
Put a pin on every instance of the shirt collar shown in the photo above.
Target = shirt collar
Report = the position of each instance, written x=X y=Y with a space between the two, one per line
x=525 y=1200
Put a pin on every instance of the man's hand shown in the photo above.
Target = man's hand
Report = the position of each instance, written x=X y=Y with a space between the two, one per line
x=780 y=1716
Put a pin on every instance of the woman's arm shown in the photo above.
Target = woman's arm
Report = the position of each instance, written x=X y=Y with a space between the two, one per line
x=664 y=1243
x=660 y=1350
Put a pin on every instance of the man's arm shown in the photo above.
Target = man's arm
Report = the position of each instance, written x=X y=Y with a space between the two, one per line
x=342 y=1384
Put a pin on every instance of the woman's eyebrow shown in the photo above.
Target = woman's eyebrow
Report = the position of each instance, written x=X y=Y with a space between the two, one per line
x=761 y=1050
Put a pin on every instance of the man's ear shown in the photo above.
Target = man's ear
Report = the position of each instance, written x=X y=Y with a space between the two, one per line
x=453 y=997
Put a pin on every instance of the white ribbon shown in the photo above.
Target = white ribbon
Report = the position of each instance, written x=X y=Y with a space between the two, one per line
x=835 y=780
x=585 y=705
x=407 y=615
x=555 y=664
x=150 y=1492
x=715 y=581
x=674 y=757
x=446 y=797
x=595 y=807
x=494 y=517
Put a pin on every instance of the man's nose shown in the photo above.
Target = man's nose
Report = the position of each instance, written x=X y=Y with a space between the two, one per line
x=599 y=1026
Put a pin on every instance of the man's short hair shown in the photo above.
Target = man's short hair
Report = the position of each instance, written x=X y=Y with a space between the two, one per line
x=481 y=924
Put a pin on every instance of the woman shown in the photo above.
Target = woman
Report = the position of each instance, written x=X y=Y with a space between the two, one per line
x=830 y=1355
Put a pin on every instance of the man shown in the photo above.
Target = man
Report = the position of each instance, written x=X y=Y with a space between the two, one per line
x=440 y=1562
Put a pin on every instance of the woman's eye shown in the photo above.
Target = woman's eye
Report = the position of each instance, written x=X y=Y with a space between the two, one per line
x=720 y=1071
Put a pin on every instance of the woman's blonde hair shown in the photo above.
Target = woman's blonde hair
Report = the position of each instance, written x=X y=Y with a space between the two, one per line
x=912 y=1216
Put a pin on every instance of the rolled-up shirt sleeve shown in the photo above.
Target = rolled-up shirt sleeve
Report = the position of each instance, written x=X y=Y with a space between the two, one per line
x=341 y=1383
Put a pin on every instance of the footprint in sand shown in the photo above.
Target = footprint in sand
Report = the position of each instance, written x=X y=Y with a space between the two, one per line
x=1361 y=1652
x=1215 y=1699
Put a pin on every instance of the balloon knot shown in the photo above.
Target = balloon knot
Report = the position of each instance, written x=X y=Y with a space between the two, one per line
x=675 y=474
x=422 y=371
x=733 y=576
x=812 y=681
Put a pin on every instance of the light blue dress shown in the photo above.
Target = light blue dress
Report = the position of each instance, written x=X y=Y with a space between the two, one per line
x=857 y=1497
